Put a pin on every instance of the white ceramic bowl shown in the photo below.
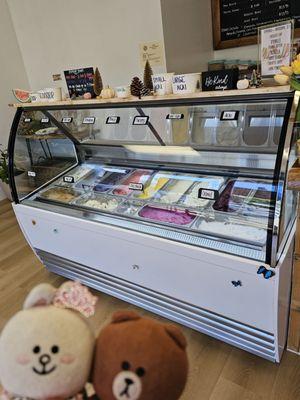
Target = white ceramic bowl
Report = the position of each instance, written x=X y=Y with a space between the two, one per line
x=122 y=91
x=185 y=83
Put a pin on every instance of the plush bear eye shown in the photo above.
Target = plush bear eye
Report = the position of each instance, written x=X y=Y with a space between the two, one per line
x=140 y=371
x=36 y=349
x=125 y=365
x=55 y=349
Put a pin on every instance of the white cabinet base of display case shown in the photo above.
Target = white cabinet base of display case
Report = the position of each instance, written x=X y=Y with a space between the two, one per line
x=217 y=294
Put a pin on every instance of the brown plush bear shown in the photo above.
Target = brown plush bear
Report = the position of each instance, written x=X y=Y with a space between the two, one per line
x=139 y=358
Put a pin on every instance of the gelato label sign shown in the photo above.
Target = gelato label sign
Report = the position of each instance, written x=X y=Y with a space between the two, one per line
x=229 y=116
x=27 y=120
x=88 y=120
x=208 y=194
x=136 y=186
x=175 y=116
x=112 y=120
x=275 y=47
x=31 y=173
x=140 y=120
x=67 y=120
x=68 y=179
x=45 y=120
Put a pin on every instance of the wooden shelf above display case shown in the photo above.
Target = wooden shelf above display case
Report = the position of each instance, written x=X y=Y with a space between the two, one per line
x=146 y=99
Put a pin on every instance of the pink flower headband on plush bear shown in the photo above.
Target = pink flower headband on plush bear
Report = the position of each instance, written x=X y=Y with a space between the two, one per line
x=75 y=296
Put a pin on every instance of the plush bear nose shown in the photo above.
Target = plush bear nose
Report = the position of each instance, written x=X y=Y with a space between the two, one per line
x=44 y=359
x=129 y=381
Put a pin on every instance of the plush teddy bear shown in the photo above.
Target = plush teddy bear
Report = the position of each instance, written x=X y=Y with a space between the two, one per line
x=139 y=358
x=46 y=349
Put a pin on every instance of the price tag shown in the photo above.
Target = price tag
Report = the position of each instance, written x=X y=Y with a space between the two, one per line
x=138 y=120
x=208 y=194
x=67 y=120
x=89 y=120
x=45 y=120
x=27 y=120
x=31 y=173
x=68 y=179
x=113 y=120
x=136 y=186
x=229 y=116
x=175 y=116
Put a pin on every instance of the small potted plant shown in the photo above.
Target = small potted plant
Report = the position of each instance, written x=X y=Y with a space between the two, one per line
x=4 y=180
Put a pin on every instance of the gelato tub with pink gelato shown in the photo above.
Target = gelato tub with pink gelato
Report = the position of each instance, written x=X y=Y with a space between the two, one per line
x=138 y=176
x=176 y=217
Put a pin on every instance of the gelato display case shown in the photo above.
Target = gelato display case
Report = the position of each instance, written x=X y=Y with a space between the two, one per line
x=177 y=205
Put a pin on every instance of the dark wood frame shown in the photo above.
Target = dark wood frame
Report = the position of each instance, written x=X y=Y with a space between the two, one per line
x=216 y=22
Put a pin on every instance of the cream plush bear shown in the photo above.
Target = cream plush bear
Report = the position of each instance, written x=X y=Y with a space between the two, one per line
x=46 y=349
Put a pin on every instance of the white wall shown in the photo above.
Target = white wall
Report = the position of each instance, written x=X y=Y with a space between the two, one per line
x=243 y=53
x=55 y=35
x=187 y=26
x=12 y=72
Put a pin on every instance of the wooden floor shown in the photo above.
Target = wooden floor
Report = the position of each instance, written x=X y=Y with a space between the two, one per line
x=217 y=370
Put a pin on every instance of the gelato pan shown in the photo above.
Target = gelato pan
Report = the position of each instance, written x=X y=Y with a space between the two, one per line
x=234 y=231
x=154 y=184
x=102 y=203
x=174 y=191
x=191 y=198
x=130 y=207
x=177 y=217
x=138 y=176
x=109 y=181
x=234 y=195
x=64 y=195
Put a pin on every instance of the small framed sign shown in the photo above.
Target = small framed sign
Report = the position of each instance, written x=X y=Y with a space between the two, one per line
x=45 y=120
x=80 y=81
x=136 y=186
x=27 y=120
x=112 y=120
x=68 y=179
x=229 y=116
x=140 y=120
x=67 y=120
x=208 y=194
x=175 y=116
x=225 y=79
x=275 y=47
x=89 y=120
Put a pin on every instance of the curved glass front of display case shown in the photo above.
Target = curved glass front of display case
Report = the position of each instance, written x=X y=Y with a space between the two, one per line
x=208 y=174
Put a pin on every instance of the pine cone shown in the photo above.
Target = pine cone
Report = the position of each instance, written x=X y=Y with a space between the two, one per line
x=136 y=87
x=148 y=76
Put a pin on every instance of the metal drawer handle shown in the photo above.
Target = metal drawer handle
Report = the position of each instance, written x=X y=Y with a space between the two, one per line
x=236 y=283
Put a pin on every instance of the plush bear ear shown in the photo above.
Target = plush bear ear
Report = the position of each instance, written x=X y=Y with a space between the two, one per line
x=124 y=315
x=40 y=295
x=176 y=334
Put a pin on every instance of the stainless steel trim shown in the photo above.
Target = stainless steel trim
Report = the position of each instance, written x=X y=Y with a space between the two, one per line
x=281 y=183
x=233 y=332
x=170 y=233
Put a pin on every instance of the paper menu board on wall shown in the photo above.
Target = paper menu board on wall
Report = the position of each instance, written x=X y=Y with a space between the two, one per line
x=152 y=51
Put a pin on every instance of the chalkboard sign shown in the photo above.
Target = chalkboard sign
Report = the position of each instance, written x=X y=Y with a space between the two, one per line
x=235 y=22
x=225 y=79
x=80 y=81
